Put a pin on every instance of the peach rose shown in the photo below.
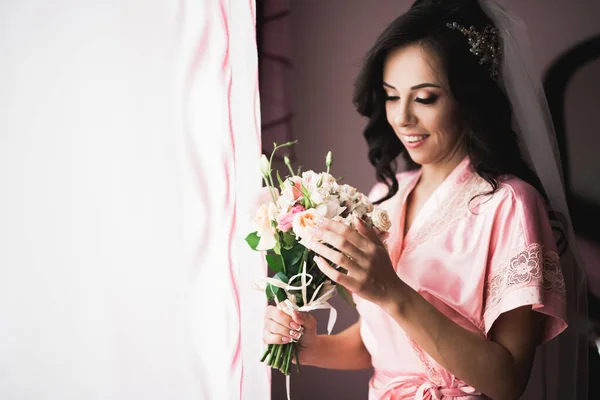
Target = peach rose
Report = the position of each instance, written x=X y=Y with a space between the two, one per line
x=301 y=222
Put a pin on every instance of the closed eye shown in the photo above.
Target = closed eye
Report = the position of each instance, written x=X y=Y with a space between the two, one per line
x=428 y=100
x=391 y=98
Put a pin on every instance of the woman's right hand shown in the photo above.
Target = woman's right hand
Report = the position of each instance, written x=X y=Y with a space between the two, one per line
x=280 y=328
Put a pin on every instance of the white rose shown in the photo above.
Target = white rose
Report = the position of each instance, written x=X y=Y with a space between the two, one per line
x=330 y=209
x=361 y=205
x=320 y=195
x=273 y=211
x=310 y=179
x=328 y=179
x=381 y=219
x=264 y=230
x=347 y=193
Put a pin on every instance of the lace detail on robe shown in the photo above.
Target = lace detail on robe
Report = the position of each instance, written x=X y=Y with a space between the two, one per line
x=529 y=264
x=456 y=206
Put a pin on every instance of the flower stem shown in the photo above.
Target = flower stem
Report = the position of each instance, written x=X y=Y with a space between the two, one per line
x=278 y=355
x=266 y=353
x=270 y=188
x=291 y=170
x=296 y=355
x=286 y=359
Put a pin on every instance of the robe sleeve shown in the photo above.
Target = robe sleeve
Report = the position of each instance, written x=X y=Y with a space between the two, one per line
x=523 y=265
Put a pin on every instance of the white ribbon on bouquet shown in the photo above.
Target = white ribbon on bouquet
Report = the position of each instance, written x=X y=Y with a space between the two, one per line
x=316 y=303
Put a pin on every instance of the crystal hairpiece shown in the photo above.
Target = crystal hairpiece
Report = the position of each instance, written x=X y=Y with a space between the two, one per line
x=484 y=44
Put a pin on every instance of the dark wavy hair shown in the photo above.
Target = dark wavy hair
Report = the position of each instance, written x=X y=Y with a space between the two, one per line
x=484 y=108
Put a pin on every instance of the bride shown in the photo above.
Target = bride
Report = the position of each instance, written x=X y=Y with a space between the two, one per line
x=477 y=293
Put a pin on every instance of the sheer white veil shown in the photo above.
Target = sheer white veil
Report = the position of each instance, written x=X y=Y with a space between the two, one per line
x=561 y=367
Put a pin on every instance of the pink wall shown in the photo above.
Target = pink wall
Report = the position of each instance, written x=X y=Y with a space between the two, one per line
x=329 y=39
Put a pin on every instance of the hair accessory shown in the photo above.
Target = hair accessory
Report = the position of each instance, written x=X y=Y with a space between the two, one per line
x=484 y=44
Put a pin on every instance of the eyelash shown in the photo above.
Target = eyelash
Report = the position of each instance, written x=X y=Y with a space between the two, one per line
x=427 y=101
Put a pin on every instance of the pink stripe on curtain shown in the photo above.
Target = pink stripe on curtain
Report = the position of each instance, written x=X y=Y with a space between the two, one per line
x=230 y=57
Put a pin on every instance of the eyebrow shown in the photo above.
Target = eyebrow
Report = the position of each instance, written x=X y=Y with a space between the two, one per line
x=419 y=86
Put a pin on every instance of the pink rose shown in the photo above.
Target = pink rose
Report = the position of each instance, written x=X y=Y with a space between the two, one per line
x=285 y=222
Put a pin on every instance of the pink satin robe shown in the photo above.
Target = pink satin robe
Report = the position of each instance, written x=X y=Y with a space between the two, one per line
x=473 y=261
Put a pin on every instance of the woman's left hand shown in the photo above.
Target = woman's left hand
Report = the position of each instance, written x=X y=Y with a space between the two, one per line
x=371 y=274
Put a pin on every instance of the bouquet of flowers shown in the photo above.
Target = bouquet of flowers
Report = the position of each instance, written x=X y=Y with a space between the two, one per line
x=282 y=232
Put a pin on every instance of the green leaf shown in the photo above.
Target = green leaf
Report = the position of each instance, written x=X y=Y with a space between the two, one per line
x=281 y=296
x=270 y=291
x=346 y=295
x=274 y=291
x=280 y=293
x=275 y=262
x=252 y=240
x=288 y=239
x=277 y=248
x=292 y=258
x=279 y=180
x=282 y=277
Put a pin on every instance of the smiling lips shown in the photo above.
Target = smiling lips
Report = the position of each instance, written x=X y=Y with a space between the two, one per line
x=413 y=141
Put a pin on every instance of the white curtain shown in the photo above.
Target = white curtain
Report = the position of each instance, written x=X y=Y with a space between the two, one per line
x=129 y=143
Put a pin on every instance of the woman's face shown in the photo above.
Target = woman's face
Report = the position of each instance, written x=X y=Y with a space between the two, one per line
x=419 y=106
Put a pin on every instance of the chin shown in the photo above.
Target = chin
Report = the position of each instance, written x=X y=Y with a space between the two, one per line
x=420 y=157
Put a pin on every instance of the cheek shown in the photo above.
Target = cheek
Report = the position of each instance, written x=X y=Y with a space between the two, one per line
x=441 y=120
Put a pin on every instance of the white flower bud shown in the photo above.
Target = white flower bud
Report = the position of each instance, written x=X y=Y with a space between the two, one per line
x=265 y=165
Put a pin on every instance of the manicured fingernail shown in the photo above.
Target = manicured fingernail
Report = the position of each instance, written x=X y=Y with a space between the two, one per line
x=312 y=229
x=285 y=339
x=295 y=326
x=319 y=221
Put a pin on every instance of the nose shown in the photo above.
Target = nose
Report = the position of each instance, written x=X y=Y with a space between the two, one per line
x=404 y=115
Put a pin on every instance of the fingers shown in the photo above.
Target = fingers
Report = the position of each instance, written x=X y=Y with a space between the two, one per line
x=382 y=235
x=339 y=242
x=367 y=231
x=332 y=273
x=334 y=256
x=304 y=319
x=279 y=327
x=272 y=338
x=346 y=232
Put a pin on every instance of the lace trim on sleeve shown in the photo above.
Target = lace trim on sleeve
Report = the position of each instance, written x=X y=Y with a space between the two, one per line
x=529 y=265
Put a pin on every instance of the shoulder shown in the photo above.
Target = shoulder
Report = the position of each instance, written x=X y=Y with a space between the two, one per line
x=520 y=207
x=519 y=194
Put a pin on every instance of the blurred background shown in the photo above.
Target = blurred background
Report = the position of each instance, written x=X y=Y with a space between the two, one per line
x=310 y=52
